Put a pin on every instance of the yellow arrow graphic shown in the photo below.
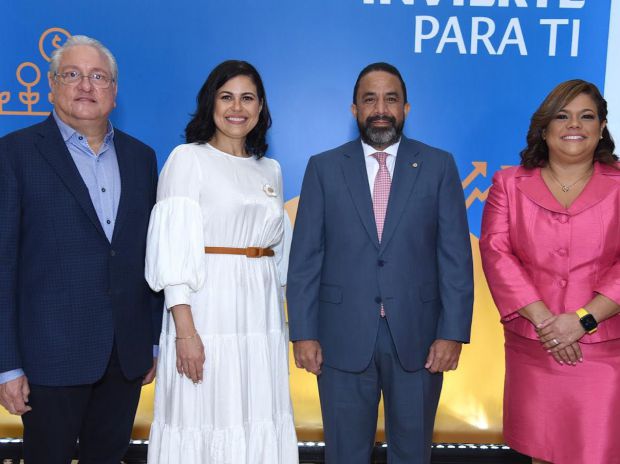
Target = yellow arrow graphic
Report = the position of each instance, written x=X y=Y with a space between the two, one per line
x=476 y=194
x=480 y=167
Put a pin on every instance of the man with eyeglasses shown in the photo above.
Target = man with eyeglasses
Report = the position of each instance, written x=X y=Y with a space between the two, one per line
x=78 y=323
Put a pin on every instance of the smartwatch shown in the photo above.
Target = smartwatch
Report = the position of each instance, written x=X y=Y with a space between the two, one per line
x=587 y=321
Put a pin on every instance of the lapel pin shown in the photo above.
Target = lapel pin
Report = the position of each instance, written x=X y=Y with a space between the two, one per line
x=415 y=165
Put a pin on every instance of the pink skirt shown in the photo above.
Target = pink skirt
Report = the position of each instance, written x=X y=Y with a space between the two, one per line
x=563 y=414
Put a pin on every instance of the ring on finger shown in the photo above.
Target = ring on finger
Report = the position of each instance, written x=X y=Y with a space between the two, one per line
x=555 y=342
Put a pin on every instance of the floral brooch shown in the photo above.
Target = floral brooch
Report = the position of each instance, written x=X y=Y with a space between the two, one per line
x=269 y=190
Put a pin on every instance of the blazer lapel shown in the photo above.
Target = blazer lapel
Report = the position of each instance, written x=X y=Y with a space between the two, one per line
x=126 y=168
x=356 y=179
x=599 y=186
x=53 y=148
x=406 y=172
x=533 y=186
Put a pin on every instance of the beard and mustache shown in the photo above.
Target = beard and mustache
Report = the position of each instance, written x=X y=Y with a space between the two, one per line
x=380 y=136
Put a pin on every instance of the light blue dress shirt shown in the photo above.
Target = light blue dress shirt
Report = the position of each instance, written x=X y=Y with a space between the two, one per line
x=99 y=172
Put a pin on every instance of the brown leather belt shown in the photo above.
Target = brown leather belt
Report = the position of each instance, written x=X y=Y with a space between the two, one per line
x=250 y=252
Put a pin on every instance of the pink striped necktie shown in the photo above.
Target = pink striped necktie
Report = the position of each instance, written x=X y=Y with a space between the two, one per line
x=380 y=196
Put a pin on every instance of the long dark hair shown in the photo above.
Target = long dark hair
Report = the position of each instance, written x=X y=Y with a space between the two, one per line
x=201 y=128
x=536 y=154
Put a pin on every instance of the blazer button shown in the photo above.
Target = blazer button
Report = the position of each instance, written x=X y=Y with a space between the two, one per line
x=112 y=253
x=380 y=263
x=563 y=283
x=561 y=252
x=378 y=299
x=563 y=218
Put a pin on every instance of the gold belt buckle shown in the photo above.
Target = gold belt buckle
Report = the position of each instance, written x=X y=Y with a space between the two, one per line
x=254 y=252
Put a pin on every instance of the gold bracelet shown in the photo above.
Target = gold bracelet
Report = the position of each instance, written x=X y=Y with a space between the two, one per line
x=187 y=338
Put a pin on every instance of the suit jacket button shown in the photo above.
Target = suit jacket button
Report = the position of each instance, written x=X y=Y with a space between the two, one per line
x=112 y=253
x=378 y=299
x=380 y=263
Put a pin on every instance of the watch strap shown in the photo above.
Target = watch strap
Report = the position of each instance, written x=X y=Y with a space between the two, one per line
x=582 y=312
x=587 y=320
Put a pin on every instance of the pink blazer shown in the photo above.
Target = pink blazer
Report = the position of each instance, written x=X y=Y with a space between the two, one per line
x=535 y=249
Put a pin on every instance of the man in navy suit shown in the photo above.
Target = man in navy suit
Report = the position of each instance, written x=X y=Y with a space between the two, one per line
x=380 y=288
x=78 y=323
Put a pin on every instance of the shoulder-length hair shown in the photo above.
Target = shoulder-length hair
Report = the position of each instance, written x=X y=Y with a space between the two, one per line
x=201 y=128
x=536 y=154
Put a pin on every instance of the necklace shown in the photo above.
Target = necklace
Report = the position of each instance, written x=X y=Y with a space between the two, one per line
x=566 y=187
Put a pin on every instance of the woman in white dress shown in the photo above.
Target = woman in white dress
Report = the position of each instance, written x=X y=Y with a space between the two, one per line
x=218 y=247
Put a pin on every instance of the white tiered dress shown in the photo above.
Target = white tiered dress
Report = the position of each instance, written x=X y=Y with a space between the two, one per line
x=241 y=413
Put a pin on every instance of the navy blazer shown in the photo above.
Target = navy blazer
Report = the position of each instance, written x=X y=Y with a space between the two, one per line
x=66 y=292
x=339 y=273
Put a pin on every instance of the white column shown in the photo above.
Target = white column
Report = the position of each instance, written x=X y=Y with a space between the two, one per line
x=612 y=77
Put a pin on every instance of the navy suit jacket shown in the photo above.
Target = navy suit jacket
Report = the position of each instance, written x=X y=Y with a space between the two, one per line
x=67 y=293
x=339 y=273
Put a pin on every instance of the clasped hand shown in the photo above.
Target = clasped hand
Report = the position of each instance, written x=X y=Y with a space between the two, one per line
x=559 y=335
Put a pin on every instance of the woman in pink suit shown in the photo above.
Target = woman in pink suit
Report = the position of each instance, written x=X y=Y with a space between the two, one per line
x=550 y=250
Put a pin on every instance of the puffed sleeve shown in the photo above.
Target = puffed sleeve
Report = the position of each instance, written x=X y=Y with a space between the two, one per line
x=175 y=248
x=510 y=284
x=283 y=247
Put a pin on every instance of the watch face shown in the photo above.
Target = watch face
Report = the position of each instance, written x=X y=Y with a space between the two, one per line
x=588 y=322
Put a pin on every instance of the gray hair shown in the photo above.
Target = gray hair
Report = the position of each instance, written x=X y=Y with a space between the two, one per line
x=76 y=40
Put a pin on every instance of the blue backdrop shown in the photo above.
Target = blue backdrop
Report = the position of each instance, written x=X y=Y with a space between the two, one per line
x=475 y=69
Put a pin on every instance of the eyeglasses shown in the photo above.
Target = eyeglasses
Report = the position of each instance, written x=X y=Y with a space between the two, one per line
x=73 y=77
